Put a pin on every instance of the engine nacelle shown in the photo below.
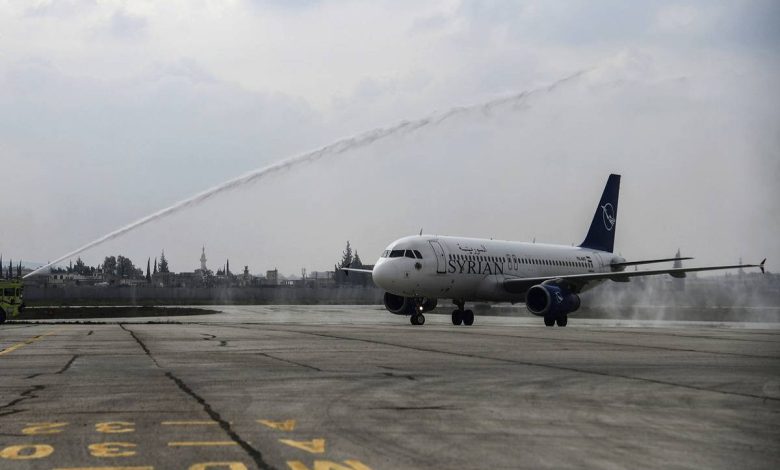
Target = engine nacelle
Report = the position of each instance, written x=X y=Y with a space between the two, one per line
x=406 y=305
x=549 y=300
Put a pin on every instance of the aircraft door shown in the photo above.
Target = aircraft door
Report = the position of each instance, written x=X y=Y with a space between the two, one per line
x=441 y=261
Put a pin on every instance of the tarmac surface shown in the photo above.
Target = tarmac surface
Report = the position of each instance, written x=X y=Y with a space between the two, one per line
x=325 y=387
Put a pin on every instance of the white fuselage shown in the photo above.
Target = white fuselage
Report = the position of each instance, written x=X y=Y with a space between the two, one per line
x=475 y=269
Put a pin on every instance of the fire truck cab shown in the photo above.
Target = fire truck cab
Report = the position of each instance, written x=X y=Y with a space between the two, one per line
x=11 y=298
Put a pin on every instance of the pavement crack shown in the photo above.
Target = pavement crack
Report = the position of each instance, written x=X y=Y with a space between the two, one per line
x=140 y=343
x=67 y=366
x=291 y=362
x=255 y=454
x=63 y=369
x=537 y=364
x=25 y=395
x=401 y=376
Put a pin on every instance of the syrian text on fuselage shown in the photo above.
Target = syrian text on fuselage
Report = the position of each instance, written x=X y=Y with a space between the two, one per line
x=463 y=266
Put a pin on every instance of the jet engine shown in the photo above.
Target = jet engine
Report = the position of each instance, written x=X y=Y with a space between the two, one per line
x=406 y=305
x=546 y=300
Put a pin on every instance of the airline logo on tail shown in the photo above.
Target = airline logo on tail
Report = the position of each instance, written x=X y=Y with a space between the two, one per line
x=608 y=213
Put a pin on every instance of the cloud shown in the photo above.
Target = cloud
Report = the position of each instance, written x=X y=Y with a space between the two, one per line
x=112 y=110
x=127 y=26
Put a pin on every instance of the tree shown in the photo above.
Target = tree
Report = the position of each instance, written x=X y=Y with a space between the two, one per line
x=109 y=265
x=19 y=270
x=148 y=273
x=163 y=268
x=80 y=267
x=227 y=268
x=125 y=267
x=346 y=261
x=155 y=265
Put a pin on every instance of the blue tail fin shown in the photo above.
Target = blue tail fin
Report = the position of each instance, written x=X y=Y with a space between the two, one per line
x=601 y=235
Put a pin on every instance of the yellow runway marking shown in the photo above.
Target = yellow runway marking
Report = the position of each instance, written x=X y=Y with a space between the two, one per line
x=26 y=452
x=188 y=423
x=16 y=346
x=115 y=427
x=328 y=465
x=288 y=425
x=202 y=443
x=315 y=446
x=34 y=429
x=104 y=468
x=112 y=449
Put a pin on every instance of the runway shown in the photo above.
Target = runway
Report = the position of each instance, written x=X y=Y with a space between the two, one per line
x=324 y=387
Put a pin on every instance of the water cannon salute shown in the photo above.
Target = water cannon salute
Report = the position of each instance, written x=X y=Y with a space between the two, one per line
x=211 y=253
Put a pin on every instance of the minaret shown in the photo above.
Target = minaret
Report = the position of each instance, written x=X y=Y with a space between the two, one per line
x=203 y=260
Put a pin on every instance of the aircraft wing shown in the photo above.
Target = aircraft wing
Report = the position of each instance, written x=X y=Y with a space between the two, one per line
x=576 y=281
x=648 y=261
x=357 y=270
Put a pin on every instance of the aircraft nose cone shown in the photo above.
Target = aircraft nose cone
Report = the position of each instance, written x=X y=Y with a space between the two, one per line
x=382 y=275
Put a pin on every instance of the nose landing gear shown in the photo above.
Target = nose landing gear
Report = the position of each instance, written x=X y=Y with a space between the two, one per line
x=417 y=319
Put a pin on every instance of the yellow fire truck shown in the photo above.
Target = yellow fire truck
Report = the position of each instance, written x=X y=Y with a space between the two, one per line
x=11 y=298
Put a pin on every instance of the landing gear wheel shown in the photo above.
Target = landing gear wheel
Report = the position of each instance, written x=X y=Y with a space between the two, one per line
x=413 y=319
x=457 y=317
x=417 y=319
x=549 y=321
x=562 y=320
x=468 y=318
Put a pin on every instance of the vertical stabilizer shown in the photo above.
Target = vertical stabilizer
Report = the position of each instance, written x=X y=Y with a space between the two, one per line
x=601 y=235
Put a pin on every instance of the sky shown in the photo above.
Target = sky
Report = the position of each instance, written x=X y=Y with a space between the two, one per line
x=112 y=110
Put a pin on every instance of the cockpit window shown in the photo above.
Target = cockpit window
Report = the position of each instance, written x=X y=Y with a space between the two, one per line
x=385 y=253
x=417 y=254
x=409 y=254
x=397 y=254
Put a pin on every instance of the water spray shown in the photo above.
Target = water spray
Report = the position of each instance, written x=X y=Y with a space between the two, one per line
x=336 y=148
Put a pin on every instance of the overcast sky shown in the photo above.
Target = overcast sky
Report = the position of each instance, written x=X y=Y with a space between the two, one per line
x=111 y=110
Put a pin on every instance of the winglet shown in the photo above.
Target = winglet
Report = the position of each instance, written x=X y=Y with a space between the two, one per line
x=762 y=266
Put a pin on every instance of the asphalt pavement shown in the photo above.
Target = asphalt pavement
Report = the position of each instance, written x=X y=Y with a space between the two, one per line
x=358 y=388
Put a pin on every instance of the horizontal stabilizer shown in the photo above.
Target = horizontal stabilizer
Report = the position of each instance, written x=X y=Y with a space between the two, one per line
x=649 y=261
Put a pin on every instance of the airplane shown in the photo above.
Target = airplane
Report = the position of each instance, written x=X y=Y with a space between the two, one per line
x=416 y=271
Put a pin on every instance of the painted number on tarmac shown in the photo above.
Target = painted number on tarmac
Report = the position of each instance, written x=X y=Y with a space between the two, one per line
x=221 y=465
x=35 y=429
x=27 y=452
x=328 y=465
x=112 y=449
x=115 y=427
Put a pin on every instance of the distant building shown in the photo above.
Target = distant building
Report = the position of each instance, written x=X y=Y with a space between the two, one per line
x=272 y=277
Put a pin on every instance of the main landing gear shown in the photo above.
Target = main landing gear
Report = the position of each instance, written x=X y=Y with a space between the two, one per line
x=462 y=316
x=551 y=321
